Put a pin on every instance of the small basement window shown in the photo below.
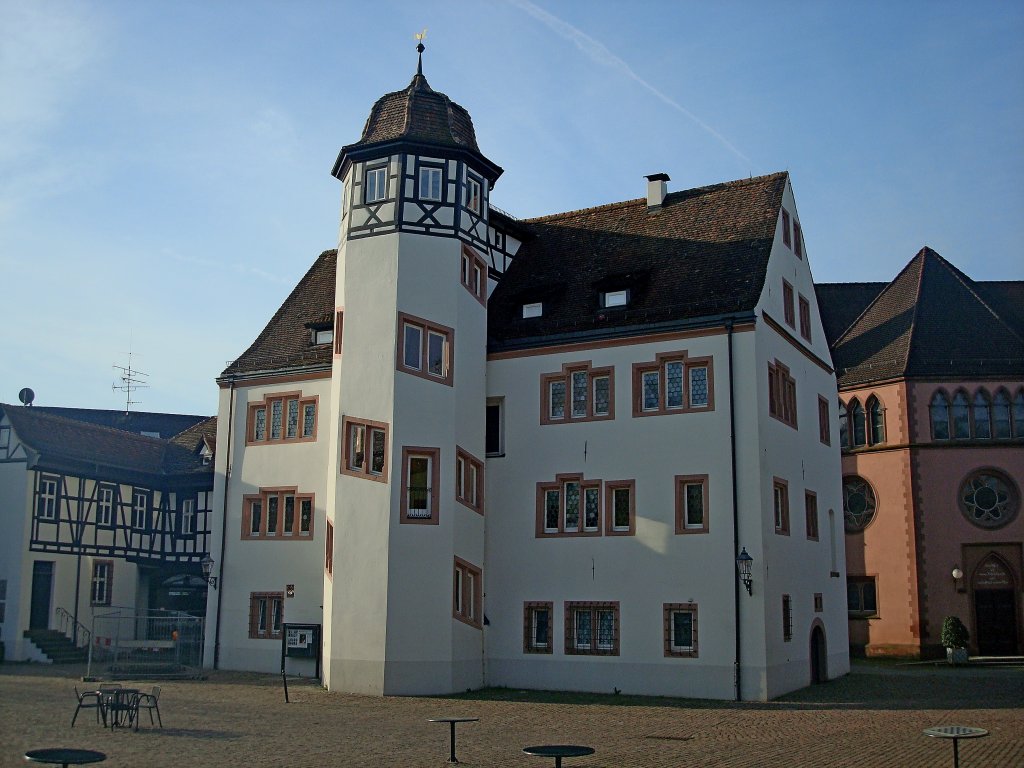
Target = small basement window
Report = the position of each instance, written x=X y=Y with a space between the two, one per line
x=325 y=336
x=615 y=298
x=533 y=310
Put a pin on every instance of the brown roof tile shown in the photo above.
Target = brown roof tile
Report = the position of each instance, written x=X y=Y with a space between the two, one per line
x=704 y=253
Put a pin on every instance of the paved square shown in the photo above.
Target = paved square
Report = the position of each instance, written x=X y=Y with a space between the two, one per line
x=873 y=717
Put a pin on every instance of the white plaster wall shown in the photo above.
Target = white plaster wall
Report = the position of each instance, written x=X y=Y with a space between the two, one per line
x=799 y=457
x=642 y=572
x=265 y=565
x=15 y=564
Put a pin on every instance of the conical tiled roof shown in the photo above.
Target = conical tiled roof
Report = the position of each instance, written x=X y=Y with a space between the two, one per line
x=930 y=321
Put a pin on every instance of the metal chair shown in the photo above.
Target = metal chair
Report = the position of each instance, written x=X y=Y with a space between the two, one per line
x=150 y=701
x=88 y=700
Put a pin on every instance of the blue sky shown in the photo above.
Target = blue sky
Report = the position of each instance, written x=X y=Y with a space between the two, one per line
x=165 y=166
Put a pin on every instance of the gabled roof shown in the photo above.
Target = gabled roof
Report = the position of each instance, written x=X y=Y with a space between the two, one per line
x=703 y=253
x=931 y=321
x=198 y=435
x=162 y=424
x=286 y=341
x=64 y=442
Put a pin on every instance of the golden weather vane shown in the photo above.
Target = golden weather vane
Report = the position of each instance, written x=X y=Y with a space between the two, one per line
x=420 y=37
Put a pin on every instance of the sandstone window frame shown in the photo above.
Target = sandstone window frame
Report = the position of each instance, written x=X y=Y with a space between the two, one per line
x=272 y=502
x=782 y=394
x=266 y=615
x=532 y=610
x=563 y=487
x=578 y=632
x=416 y=355
x=612 y=492
x=467 y=593
x=683 y=519
x=657 y=371
x=362 y=464
x=473 y=274
x=432 y=493
x=260 y=431
x=780 y=505
x=469 y=480
x=673 y=648
x=577 y=377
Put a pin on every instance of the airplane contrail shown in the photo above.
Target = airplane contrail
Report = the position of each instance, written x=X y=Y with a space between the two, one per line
x=600 y=53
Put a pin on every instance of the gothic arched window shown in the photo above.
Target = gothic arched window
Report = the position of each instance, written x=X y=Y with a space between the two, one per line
x=982 y=413
x=961 y=416
x=1018 y=414
x=844 y=432
x=1001 y=427
x=860 y=436
x=939 y=408
x=876 y=420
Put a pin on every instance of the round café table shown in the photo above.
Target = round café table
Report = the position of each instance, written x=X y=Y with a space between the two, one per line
x=558 y=751
x=65 y=756
x=452 y=721
x=955 y=732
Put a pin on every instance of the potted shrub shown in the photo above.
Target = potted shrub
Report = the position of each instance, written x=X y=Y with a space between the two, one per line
x=954 y=637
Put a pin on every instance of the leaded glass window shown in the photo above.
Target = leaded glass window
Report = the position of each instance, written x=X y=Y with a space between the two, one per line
x=858 y=503
x=305 y=516
x=694 y=505
x=260 y=425
x=272 y=514
x=606 y=630
x=876 y=421
x=1001 y=415
x=557 y=399
x=255 y=517
x=939 y=408
x=572 y=506
x=961 y=416
x=621 y=505
x=308 y=419
x=552 y=509
x=682 y=630
x=844 y=432
x=982 y=415
x=698 y=387
x=579 y=394
x=289 y=515
x=1018 y=415
x=860 y=436
x=988 y=499
x=591 y=509
x=650 y=386
x=292 y=428
x=861 y=598
x=275 y=420
x=584 y=630
x=602 y=389
x=674 y=385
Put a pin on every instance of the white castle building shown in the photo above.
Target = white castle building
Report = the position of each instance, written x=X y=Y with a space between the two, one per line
x=490 y=452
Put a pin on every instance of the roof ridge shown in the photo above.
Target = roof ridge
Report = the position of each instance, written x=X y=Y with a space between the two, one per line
x=638 y=200
x=39 y=413
x=280 y=310
x=842 y=337
x=923 y=253
x=968 y=283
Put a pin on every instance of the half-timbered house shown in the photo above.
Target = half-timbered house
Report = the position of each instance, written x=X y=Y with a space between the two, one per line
x=98 y=517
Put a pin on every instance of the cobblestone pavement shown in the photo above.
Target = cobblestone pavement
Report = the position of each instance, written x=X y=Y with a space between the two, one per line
x=873 y=717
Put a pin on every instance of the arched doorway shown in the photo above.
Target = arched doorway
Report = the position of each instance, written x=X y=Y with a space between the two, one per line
x=819 y=654
x=995 y=608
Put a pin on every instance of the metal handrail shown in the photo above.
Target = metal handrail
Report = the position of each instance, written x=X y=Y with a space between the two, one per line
x=66 y=620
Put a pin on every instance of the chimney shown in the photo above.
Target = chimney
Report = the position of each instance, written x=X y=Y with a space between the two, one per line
x=657 y=188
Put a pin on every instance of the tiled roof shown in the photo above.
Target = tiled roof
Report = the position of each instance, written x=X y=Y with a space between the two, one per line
x=163 y=424
x=703 y=253
x=61 y=441
x=931 y=321
x=842 y=303
x=419 y=113
x=193 y=438
x=286 y=341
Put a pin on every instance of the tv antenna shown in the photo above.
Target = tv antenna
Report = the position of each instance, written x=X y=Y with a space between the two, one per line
x=131 y=379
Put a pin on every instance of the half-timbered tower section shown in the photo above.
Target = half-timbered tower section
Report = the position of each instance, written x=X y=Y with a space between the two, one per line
x=931 y=425
x=532 y=451
x=99 y=517
x=654 y=378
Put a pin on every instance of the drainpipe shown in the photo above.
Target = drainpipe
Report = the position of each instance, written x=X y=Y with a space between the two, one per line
x=223 y=525
x=735 y=508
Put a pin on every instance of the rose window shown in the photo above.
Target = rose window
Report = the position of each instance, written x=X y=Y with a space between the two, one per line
x=988 y=499
x=858 y=503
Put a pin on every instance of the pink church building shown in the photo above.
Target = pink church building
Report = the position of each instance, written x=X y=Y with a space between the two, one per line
x=930 y=370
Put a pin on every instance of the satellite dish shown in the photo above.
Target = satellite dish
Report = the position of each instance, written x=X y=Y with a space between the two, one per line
x=26 y=396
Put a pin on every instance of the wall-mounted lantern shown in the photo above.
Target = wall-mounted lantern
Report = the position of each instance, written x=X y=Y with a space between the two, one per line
x=743 y=563
x=207 y=566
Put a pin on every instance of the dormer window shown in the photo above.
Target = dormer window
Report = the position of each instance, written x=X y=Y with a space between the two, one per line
x=323 y=336
x=430 y=183
x=533 y=310
x=611 y=299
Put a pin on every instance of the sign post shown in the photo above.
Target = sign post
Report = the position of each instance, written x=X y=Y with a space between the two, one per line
x=299 y=641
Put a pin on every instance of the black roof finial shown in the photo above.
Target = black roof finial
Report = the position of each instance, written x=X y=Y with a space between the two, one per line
x=420 y=36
